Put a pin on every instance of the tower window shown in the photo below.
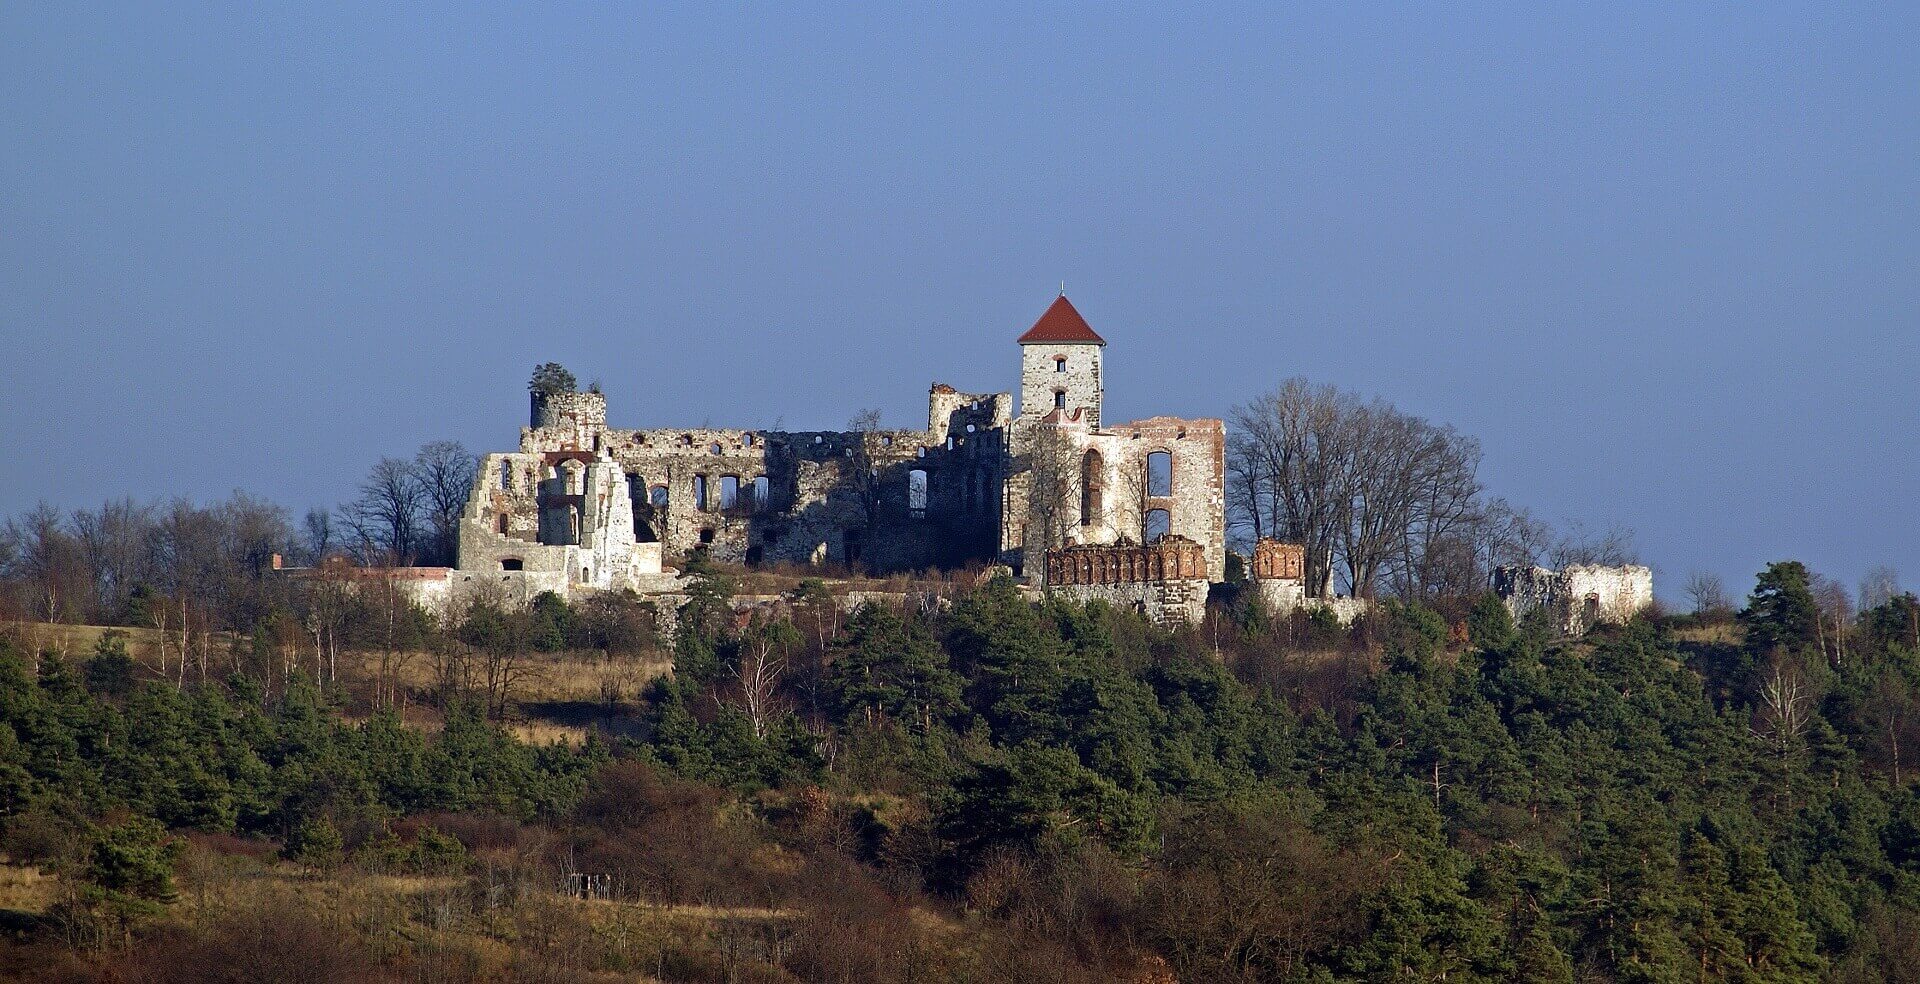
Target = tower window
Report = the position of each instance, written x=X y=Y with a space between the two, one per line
x=1059 y=363
x=1059 y=399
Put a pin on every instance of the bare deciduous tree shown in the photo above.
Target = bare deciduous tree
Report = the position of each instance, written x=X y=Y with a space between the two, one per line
x=1384 y=497
x=1051 y=472
x=385 y=518
x=445 y=471
x=1708 y=594
x=761 y=667
x=1879 y=586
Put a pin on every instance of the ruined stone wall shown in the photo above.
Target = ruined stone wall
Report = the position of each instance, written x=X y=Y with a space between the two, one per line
x=1167 y=581
x=579 y=416
x=1279 y=581
x=1576 y=598
x=1275 y=560
x=1053 y=454
x=881 y=501
x=557 y=512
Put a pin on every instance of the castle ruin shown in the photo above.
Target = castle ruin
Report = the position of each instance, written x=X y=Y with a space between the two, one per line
x=1578 y=597
x=584 y=506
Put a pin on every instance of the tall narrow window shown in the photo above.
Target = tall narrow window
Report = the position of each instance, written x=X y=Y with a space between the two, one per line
x=1160 y=473
x=1059 y=399
x=1059 y=363
x=1092 y=488
x=760 y=493
x=700 y=492
x=1159 y=524
x=506 y=474
x=729 y=491
x=917 y=493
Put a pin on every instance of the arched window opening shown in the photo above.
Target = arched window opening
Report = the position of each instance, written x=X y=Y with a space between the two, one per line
x=1059 y=363
x=1059 y=399
x=1092 y=489
x=1160 y=473
x=917 y=493
x=700 y=492
x=511 y=564
x=1159 y=524
x=729 y=491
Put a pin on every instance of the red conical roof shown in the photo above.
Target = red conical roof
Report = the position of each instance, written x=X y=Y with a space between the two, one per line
x=1062 y=324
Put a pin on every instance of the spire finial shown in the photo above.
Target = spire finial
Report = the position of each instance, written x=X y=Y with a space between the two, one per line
x=1063 y=288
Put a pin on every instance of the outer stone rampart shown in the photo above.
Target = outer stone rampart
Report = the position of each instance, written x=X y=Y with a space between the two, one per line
x=1578 y=597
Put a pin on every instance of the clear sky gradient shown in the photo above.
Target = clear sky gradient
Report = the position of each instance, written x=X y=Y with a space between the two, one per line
x=1663 y=260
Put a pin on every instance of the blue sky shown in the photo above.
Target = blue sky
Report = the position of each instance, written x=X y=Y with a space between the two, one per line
x=1660 y=259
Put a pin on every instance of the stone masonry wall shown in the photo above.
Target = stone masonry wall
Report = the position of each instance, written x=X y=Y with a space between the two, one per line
x=1040 y=377
x=1576 y=598
x=1167 y=581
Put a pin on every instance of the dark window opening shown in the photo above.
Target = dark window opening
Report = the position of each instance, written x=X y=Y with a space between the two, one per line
x=510 y=564
x=706 y=536
x=1059 y=363
x=506 y=474
x=700 y=492
x=1159 y=525
x=1160 y=473
x=754 y=553
x=1059 y=399
x=1092 y=488
x=501 y=523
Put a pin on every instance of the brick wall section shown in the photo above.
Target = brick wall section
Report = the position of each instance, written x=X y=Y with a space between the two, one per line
x=1275 y=560
x=1166 y=582
x=1174 y=558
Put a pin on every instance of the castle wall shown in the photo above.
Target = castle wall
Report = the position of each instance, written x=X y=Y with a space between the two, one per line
x=1578 y=597
x=885 y=500
x=605 y=505
x=1051 y=454
x=1167 y=582
x=1279 y=581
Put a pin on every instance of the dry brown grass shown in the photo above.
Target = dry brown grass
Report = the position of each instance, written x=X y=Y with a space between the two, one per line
x=1727 y=633
x=25 y=888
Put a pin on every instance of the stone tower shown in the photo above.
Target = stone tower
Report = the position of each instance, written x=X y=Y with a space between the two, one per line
x=1060 y=366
